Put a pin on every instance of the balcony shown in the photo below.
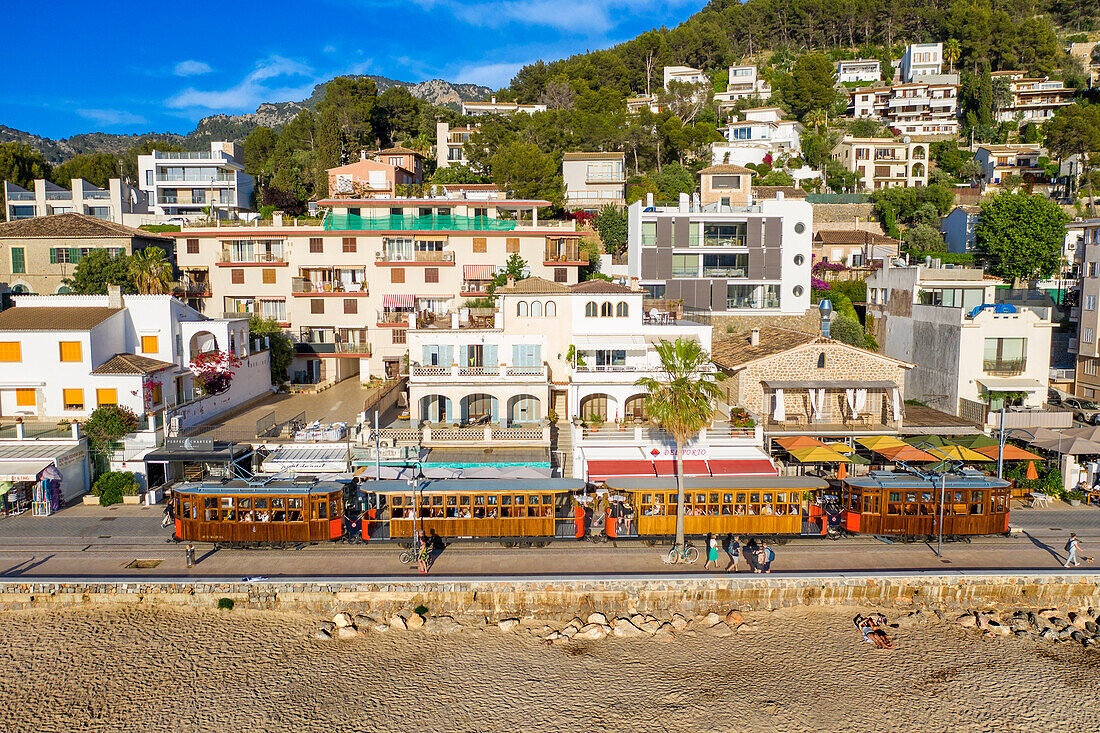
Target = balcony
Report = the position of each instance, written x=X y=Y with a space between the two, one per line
x=21 y=196
x=562 y=250
x=351 y=223
x=251 y=258
x=59 y=195
x=716 y=435
x=604 y=177
x=100 y=195
x=304 y=286
x=192 y=289
x=725 y=272
x=1004 y=367
x=321 y=348
x=425 y=256
x=476 y=287
x=735 y=240
x=393 y=318
x=490 y=373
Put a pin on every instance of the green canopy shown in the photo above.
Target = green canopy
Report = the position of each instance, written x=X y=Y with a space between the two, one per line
x=5 y=487
x=974 y=442
x=919 y=441
x=857 y=460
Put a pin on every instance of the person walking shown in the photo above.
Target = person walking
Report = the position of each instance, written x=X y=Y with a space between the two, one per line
x=712 y=551
x=733 y=549
x=189 y=552
x=422 y=555
x=766 y=557
x=1074 y=546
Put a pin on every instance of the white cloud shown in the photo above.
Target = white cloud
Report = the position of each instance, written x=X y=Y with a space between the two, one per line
x=192 y=68
x=329 y=49
x=488 y=75
x=253 y=89
x=111 y=116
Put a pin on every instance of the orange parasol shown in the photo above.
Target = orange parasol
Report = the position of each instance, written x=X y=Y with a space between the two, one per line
x=1012 y=453
x=842 y=472
x=1032 y=474
x=906 y=453
x=796 y=442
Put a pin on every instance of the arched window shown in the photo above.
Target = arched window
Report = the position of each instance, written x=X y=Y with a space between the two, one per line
x=605 y=309
x=622 y=310
x=536 y=309
x=551 y=309
x=821 y=360
x=590 y=309
x=521 y=308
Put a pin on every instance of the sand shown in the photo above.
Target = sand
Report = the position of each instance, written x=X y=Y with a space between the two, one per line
x=122 y=669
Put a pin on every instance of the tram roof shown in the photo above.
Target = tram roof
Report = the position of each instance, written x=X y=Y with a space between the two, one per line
x=801 y=483
x=263 y=486
x=897 y=480
x=473 y=485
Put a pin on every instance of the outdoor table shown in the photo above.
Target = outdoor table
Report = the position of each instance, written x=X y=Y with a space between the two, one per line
x=1038 y=499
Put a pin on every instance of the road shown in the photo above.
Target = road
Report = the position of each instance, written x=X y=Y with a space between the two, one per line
x=89 y=542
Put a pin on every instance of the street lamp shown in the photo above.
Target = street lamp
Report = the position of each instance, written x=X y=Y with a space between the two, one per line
x=1002 y=436
x=930 y=476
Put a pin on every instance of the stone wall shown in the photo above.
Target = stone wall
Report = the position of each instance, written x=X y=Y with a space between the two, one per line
x=565 y=598
x=853 y=215
x=808 y=322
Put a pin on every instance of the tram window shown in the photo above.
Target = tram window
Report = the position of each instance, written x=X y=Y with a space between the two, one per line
x=294 y=503
x=210 y=502
x=727 y=509
x=519 y=500
x=295 y=515
x=398 y=512
x=739 y=510
x=211 y=515
x=647 y=498
x=492 y=501
x=895 y=496
x=533 y=499
x=910 y=496
x=425 y=500
x=714 y=498
x=479 y=501
x=976 y=497
x=464 y=500
x=322 y=510
x=245 y=502
x=754 y=509
x=910 y=510
x=767 y=498
x=452 y=500
x=741 y=498
x=227 y=502
x=754 y=498
x=926 y=510
x=278 y=503
x=926 y=496
x=959 y=497
x=976 y=508
x=782 y=498
x=727 y=498
x=506 y=500
x=549 y=499
x=700 y=498
x=437 y=501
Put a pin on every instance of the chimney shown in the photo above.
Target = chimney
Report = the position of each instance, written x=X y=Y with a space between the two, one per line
x=825 y=308
x=511 y=281
x=685 y=203
x=277 y=218
x=754 y=337
x=114 y=296
x=635 y=285
x=494 y=100
x=649 y=200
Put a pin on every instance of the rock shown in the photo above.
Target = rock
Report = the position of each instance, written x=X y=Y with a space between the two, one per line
x=733 y=618
x=1021 y=632
x=625 y=628
x=1078 y=620
x=569 y=631
x=554 y=636
x=1079 y=636
x=1092 y=627
x=342 y=620
x=710 y=620
x=576 y=623
x=1018 y=624
x=1049 y=634
x=913 y=619
x=967 y=620
x=679 y=622
x=663 y=633
x=397 y=621
x=414 y=622
x=649 y=618
x=999 y=628
x=650 y=627
x=940 y=614
x=749 y=626
x=719 y=629
x=507 y=624
x=442 y=625
x=381 y=628
x=1067 y=633
x=637 y=619
x=326 y=626
x=597 y=618
x=1058 y=623
x=593 y=632
x=347 y=632
x=1048 y=613
x=362 y=621
x=322 y=635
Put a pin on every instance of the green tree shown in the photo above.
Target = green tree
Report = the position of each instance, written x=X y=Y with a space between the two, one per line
x=673 y=180
x=810 y=84
x=610 y=222
x=150 y=271
x=1075 y=130
x=682 y=402
x=846 y=329
x=456 y=174
x=21 y=164
x=97 y=169
x=527 y=172
x=98 y=269
x=1021 y=235
x=279 y=344
x=951 y=52
x=515 y=268
x=924 y=238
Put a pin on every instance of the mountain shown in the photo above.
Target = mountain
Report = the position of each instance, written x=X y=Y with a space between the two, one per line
x=234 y=127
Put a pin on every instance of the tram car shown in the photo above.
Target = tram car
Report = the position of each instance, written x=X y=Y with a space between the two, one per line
x=260 y=511
x=900 y=504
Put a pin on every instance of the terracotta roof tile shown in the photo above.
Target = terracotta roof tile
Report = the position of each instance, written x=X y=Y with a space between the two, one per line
x=852 y=236
x=737 y=349
x=54 y=318
x=727 y=168
x=601 y=286
x=131 y=364
x=769 y=192
x=534 y=286
x=592 y=156
x=72 y=225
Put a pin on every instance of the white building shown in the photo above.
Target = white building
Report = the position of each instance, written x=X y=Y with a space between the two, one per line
x=852 y=71
x=594 y=179
x=188 y=184
x=449 y=142
x=135 y=352
x=971 y=354
x=919 y=108
x=119 y=202
x=763 y=131
x=921 y=59
x=744 y=83
x=684 y=75
x=998 y=161
x=493 y=107
x=884 y=162
x=724 y=252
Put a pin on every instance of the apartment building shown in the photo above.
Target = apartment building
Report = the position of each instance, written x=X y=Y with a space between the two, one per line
x=448 y=144
x=998 y=161
x=723 y=251
x=349 y=289
x=744 y=83
x=958 y=228
x=37 y=255
x=853 y=247
x=761 y=133
x=884 y=162
x=921 y=59
x=134 y=351
x=917 y=108
x=190 y=184
x=594 y=179
x=493 y=107
x=971 y=354
x=1085 y=345
x=382 y=174
x=1033 y=99
x=684 y=75
x=634 y=105
x=852 y=71
x=119 y=202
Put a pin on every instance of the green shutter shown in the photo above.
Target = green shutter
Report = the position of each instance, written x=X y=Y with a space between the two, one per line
x=74 y=255
x=53 y=255
x=18 y=261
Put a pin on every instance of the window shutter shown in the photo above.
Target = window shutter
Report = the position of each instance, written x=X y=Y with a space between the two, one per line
x=53 y=255
x=74 y=255
x=446 y=355
x=491 y=359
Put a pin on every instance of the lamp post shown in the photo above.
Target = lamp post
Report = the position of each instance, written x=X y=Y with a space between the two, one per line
x=1002 y=436
x=931 y=476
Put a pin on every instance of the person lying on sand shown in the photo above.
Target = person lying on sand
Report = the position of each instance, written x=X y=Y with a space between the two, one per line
x=873 y=629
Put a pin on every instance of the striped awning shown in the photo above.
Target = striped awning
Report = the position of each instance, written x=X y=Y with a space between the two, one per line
x=478 y=272
x=398 y=300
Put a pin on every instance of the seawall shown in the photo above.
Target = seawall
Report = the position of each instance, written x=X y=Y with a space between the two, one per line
x=548 y=597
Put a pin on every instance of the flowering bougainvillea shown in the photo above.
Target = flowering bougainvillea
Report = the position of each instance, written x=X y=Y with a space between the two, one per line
x=818 y=284
x=822 y=266
x=214 y=370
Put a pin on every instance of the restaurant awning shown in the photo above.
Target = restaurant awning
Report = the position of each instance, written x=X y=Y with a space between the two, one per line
x=1011 y=384
x=691 y=468
x=829 y=384
x=603 y=470
x=715 y=467
x=609 y=342
x=748 y=467
x=398 y=300
x=22 y=470
x=478 y=272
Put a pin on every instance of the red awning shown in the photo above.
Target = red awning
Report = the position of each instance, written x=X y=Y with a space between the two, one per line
x=691 y=468
x=478 y=272
x=746 y=467
x=603 y=470
x=398 y=300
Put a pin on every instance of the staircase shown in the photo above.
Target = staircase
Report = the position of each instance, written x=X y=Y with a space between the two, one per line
x=561 y=435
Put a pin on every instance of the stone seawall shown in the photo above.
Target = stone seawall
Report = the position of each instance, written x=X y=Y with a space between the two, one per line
x=565 y=598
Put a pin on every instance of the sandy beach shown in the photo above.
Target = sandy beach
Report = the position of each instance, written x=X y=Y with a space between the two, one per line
x=806 y=669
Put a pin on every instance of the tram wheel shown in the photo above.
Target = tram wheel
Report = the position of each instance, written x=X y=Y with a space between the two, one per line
x=650 y=543
x=538 y=544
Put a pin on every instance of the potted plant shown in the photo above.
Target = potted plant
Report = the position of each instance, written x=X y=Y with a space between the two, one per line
x=595 y=421
x=621 y=422
x=552 y=416
x=1074 y=498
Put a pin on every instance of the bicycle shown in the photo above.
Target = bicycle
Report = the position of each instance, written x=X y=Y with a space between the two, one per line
x=407 y=556
x=689 y=553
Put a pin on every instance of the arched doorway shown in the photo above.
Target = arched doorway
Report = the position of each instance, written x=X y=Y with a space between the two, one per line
x=436 y=408
x=202 y=342
x=634 y=408
x=597 y=404
x=479 y=408
x=524 y=409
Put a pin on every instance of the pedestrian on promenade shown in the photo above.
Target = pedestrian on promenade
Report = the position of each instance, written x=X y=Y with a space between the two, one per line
x=733 y=549
x=766 y=557
x=422 y=555
x=712 y=551
x=189 y=551
x=1074 y=546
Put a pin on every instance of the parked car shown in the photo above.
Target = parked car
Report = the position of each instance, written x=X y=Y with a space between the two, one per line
x=1083 y=410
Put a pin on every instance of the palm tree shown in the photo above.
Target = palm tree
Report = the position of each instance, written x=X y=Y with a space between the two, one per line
x=681 y=402
x=152 y=273
x=816 y=118
x=951 y=53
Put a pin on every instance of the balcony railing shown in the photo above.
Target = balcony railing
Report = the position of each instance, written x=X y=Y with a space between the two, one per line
x=393 y=317
x=329 y=347
x=97 y=194
x=725 y=272
x=59 y=195
x=193 y=288
x=523 y=373
x=419 y=256
x=21 y=196
x=1004 y=367
x=231 y=257
x=351 y=222
x=605 y=177
x=737 y=240
x=305 y=285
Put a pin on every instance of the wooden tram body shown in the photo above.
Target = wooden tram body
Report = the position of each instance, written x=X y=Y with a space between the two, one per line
x=260 y=511
x=889 y=503
x=514 y=509
x=768 y=505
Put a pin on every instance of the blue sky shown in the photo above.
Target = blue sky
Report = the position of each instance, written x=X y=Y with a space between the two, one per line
x=149 y=67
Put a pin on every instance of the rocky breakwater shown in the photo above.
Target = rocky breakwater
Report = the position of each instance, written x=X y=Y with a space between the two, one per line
x=1080 y=626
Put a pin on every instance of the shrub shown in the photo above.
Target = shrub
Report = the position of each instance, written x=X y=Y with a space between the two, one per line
x=225 y=604
x=113 y=485
x=421 y=610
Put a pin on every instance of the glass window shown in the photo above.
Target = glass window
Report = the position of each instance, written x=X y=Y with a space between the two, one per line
x=685 y=265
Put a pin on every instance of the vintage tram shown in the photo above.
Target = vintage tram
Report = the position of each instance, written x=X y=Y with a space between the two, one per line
x=890 y=503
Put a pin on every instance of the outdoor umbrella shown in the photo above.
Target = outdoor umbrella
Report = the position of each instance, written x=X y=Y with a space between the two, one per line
x=959 y=453
x=841 y=447
x=1040 y=434
x=821 y=454
x=875 y=442
x=857 y=460
x=795 y=442
x=841 y=472
x=5 y=487
x=1088 y=432
x=1031 y=474
x=919 y=441
x=1011 y=453
x=906 y=453
x=974 y=442
x=1069 y=446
